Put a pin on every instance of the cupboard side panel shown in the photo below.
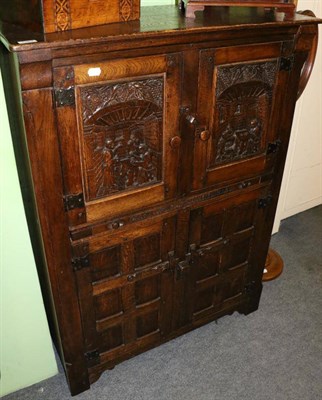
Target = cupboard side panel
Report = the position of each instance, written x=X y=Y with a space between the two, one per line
x=44 y=158
x=285 y=119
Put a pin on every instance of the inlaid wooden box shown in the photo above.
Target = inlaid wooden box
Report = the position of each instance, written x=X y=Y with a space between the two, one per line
x=62 y=15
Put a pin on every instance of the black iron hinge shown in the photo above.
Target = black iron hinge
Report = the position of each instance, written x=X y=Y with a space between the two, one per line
x=64 y=97
x=92 y=355
x=262 y=203
x=286 y=64
x=80 y=262
x=250 y=287
x=273 y=147
x=73 y=201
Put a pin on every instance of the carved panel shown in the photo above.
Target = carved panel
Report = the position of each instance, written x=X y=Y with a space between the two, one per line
x=123 y=132
x=242 y=111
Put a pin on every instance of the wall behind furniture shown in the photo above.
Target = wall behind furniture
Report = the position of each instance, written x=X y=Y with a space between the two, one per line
x=302 y=181
x=26 y=353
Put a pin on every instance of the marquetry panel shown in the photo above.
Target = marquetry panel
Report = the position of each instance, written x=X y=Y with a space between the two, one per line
x=62 y=15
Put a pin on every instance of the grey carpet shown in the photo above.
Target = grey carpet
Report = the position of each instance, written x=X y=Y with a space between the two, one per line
x=274 y=353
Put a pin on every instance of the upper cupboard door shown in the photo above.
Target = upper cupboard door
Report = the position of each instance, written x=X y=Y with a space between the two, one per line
x=239 y=100
x=118 y=124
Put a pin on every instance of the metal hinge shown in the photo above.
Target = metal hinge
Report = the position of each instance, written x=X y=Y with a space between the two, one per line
x=73 y=201
x=80 y=262
x=64 y=97
x=92 y=355
x=262 y=203
x=250 y=287
x=273 y=147
x=286 y=64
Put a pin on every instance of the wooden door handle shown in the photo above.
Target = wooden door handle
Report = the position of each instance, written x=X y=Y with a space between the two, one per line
x=175 y=142
x=204 y=135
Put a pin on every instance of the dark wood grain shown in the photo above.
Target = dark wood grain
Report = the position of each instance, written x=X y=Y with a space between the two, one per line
x=43 y=150
x=20 y=12
x=159 y=22
x=156 y=155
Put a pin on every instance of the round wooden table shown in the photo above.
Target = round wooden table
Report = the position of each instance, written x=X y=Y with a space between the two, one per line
x=273 y=266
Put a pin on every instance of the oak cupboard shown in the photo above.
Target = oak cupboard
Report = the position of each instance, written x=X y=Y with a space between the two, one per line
x=150 y=156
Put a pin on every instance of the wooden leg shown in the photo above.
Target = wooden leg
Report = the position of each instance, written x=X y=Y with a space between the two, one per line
x=273 y=266
x=191 y=8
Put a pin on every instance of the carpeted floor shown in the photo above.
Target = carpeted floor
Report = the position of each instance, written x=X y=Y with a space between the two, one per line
x=272 y=354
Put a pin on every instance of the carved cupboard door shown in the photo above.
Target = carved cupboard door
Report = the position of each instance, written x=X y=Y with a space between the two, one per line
x=125 y=288
x=118 y=125
x=221 y=255
x=240 y=100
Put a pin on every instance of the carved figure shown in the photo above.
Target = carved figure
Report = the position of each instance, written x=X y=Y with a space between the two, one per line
x=227 y=144
x=243 y=104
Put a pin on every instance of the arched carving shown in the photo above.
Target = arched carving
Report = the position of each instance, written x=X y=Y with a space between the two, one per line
x=122 y=134
x=242 y=110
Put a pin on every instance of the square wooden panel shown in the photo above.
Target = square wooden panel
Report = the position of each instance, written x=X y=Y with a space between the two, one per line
x=206 y=262
x=105 y=263
x=147 y=290
x=108 y=304
x=111 y=338
x=211 y=228
x=232 y=286
x=204 y=299
x=146 y=250
x=147 y=323
x=240 y=218
x=236 y=253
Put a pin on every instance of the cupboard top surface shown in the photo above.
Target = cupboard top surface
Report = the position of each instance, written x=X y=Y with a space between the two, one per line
x=157 y=21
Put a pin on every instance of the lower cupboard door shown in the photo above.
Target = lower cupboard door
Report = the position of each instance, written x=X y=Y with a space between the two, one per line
x=222 y=249
x=125 y=290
